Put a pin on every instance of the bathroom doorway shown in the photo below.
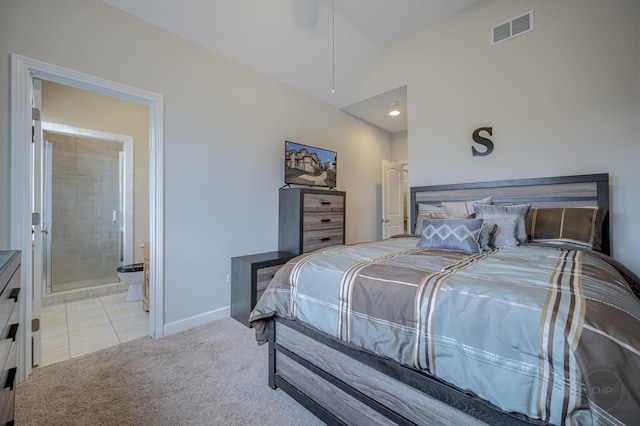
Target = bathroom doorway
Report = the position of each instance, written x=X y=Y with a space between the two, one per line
x=27 y=229
x=89 y=190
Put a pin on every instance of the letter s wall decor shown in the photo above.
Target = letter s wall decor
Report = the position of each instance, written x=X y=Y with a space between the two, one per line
x=488 y=144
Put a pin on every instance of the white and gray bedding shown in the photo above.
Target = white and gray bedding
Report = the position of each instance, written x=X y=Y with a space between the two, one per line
x=546 y=332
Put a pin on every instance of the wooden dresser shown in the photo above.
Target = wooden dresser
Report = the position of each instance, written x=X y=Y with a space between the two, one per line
x=250 y=275
x=310 y=219
x=9 y=323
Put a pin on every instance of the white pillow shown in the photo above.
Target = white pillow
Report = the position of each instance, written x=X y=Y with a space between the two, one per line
x=463 y=208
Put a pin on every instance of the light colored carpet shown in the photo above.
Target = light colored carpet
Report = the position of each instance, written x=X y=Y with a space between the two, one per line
x=214 y=374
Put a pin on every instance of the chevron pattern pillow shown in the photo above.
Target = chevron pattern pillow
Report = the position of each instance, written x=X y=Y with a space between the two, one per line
x=451 y=234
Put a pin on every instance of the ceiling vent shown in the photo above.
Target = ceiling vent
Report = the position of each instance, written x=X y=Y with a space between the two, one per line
x=517 y=26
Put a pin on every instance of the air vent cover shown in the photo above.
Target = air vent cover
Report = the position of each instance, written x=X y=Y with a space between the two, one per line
x=517 y=26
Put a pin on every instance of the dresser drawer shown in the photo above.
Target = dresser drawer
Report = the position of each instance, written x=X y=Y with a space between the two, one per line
x=323 y=202
x=264 y=276
x=7 y=400
x=314 y=240
x=7 y=384
x=8 y=341
x=9 y=353
x=10 y=272
x=322 y=220
x=9 y=297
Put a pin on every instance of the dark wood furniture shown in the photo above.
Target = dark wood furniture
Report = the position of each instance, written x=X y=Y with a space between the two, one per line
x=343 y=385
x=9 y=323
x=310 y=219
x=250 y=275
x=562 y=191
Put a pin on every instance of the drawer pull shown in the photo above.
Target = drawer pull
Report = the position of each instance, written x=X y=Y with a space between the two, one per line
x=11 y=378
x=325 y=239
x=14 y=294
x=325 y=220
x=325 y=203
x=13 y=331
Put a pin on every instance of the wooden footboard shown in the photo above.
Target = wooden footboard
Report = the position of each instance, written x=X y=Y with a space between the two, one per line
x=342 y=385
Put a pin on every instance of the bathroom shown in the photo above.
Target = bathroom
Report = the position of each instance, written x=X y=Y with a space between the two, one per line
x=96 y=216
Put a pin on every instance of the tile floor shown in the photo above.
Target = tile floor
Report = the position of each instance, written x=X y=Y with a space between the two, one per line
x=71 y=329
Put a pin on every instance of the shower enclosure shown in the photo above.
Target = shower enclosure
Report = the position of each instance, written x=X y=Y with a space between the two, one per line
x=87 y=212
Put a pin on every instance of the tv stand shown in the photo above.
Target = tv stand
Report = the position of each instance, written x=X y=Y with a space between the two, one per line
x=310 y=219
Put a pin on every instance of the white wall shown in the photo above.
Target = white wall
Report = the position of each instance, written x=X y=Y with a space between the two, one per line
x=399 y=146
x=225 y=127
x=562 y=100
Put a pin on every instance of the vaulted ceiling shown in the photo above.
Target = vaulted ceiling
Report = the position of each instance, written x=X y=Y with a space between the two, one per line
x=312 y=45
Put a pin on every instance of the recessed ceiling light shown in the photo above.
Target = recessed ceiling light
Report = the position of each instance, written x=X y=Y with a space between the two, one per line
x=394 y=110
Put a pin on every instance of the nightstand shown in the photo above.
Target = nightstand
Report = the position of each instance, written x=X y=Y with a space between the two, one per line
x=250 y=275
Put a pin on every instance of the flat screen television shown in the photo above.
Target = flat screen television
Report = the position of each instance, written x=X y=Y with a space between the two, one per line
x=308 y=165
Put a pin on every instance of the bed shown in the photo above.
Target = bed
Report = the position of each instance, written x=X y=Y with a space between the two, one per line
x=428 y=329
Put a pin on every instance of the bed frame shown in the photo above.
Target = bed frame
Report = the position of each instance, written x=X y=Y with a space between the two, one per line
x=562 y=191
x=341 y=384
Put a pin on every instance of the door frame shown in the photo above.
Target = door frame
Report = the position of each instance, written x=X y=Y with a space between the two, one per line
x=23 y=70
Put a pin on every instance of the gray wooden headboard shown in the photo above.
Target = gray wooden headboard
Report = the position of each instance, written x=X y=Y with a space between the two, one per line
x=558 y=191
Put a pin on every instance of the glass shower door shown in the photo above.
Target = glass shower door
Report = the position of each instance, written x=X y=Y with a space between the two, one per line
x=83 y=202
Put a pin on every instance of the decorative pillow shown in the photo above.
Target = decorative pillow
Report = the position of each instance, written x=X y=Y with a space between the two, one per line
x=424 y=212
x=436 y=215
x=505 y=233
x=429 y=208
x=574 y=225
x=486 y=235
x=451 y=234
x=451 y=216
x=463 y=207
x=485 y=211
x=419 y=219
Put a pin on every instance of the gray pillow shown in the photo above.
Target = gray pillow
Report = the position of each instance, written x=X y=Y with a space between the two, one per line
x=419 y=225
x=485 y=211
x=505 y=233
x=451 y=234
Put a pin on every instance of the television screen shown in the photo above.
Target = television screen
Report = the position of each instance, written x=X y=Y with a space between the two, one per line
x=308 y=165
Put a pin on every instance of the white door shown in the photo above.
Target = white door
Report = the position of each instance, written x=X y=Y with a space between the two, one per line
x=39 y=231
x=392 y=199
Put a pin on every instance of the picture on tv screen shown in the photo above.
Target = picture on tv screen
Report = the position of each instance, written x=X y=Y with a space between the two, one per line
x=308 y=165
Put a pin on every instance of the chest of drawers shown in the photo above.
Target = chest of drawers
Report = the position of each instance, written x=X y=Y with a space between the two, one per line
x=9 y=322
x=310 y=219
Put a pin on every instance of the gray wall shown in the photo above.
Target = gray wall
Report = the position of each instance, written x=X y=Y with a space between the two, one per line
x=225 y=127
x=563 y=99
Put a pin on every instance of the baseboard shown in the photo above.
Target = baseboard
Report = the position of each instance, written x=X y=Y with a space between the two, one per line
x=187 y=323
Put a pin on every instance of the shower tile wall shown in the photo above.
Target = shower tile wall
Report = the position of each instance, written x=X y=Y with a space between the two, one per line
x=85 y=241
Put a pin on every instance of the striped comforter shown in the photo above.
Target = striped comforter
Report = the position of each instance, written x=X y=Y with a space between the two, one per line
x=551 y=334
